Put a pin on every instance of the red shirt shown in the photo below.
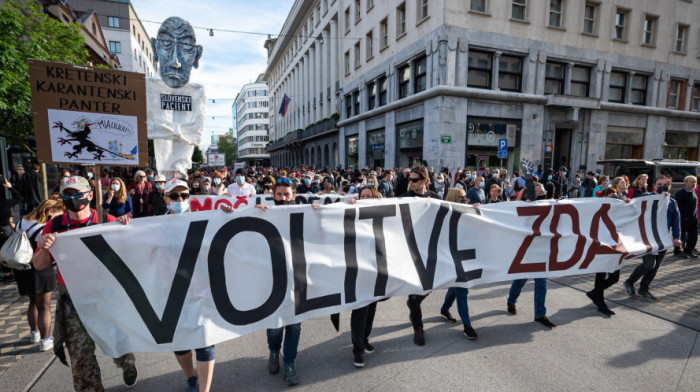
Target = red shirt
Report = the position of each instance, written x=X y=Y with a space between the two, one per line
x=74 y=224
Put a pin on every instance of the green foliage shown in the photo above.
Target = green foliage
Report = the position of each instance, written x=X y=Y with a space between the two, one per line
x=197 y=156
x=27 y=33
x=229 y=145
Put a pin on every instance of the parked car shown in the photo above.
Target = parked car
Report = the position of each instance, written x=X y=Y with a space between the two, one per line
x=678 y=169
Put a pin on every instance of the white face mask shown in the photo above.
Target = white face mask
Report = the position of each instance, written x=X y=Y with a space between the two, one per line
x=116 y=187
x=217 y=181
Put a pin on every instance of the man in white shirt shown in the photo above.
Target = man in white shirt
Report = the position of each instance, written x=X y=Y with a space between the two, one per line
x=240 y=187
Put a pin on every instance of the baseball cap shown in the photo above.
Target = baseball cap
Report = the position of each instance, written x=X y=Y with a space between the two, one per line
x=76 y=182
x=174 y=183
x=563 y=168
x=159 y=178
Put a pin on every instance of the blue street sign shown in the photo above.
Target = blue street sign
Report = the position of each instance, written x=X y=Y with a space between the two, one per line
x=503 y=148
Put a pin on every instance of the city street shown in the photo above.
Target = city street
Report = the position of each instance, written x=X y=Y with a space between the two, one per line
x=645 y=346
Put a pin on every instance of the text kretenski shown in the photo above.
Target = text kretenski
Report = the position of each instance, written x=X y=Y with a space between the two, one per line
x=176 y=102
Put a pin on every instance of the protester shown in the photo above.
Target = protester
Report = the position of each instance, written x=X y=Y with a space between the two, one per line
x=575 y=186
x=639 y=187
x=602 y=184
x=456 y=195
x=76 y=194
x=619 y=188
x=240 y=187
x=652 y=262
x=476 y=195
x=7 y=224
x=138 y=192
x=418 y=187
x=589 y=184
x=118 y=201
x=31 y=187
x=218 y=188
x=38 y=285
x=540 y=283
x=155 y=200
x=438 y=185
x=494 y=195
x=17 y=181
x=688 y=208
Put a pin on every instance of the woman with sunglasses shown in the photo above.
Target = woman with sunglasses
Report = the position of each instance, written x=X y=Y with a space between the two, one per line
x=118 y=201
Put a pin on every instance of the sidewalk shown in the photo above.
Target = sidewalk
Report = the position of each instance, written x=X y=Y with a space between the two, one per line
x=586 y=350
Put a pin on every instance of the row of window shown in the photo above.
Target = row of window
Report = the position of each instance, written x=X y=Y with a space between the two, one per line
x=252 y=151
x=253 y=139
x=254 y=116
x=624 y=86
x=253 y=127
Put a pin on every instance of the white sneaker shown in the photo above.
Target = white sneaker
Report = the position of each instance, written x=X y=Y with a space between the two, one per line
x=46 y=345
x=34 y=336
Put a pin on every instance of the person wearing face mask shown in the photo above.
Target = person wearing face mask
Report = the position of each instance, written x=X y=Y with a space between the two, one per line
x=357 y=183
x=307 y=185
x=652 y=262
x=438 y=185
x=150 y=175
x=344 y=187
x=240 y=187
x=68 y=329
x=155 y=201
x=218 y=187
x=493 y=179
x=118 y=201
x=557 y=186
x=372 y=182
x=476 y=195
x=206 y=186
x=267 y=185
x=385 y=186
x=138 y=192
x=461 y=182
x=17 y=181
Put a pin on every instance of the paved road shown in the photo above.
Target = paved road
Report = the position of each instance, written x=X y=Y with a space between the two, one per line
x=646 y=346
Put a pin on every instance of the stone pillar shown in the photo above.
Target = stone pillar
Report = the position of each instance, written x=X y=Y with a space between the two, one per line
x=567 y=79
x=313 y=78
x=305 y=91
x=605 y=88
x=541 y=68
x=628 y=87
x=325 y=64
x=333 y=66
x=390 y=139
x=688 y=94
x=376 y=93
x=495 y=67
x=319 y=77
x=411 y=76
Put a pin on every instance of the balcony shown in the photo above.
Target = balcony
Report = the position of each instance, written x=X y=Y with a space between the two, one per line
x=319 y=128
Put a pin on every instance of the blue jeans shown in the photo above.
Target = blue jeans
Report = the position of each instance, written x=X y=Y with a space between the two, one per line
x=540 y=294
x=460 y=294
x=291 y=341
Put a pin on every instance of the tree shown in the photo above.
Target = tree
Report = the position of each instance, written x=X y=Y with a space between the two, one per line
x=26 y=32
x=197 y=156
x=229 y=145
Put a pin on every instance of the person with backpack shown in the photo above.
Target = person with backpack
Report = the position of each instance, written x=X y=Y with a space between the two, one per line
x=38 y=285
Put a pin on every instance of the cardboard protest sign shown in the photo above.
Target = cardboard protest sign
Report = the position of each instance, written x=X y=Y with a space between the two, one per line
x=191 y=280
x=88 y=115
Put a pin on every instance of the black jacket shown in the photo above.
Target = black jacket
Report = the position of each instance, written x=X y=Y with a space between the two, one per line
x=687 y=205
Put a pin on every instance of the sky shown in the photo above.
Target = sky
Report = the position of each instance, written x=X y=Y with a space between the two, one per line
x=229 y=59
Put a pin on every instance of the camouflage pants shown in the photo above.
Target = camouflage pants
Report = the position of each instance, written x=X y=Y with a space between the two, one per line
x=81 y=348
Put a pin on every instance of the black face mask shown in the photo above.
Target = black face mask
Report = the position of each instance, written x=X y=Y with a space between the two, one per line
x=284 y=202
x=543 y=197
x=267 y=186
x=661 y=189
x=346 y=188
x=76 y=205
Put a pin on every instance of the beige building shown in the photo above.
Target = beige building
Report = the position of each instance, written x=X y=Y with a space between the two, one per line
x=561 y=81
x=252 y=111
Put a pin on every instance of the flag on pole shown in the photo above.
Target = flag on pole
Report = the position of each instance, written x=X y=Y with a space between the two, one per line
x=285 y=105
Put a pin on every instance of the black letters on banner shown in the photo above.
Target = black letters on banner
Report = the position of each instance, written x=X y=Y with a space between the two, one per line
x=425 y=272
x=217 y=272
x=302 y=304
x=163 y=329
x=377 y=214
x=350 y=255
x=460 y=255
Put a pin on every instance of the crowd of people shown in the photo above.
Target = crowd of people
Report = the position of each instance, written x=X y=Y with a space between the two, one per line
x=135 y=193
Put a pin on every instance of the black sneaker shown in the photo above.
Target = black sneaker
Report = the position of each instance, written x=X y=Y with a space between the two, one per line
x=130 y=376
x=419 y=336
x=595 y=300
x=470 y=333
x=682 y=255
x=358 y=361
x=290 y=375
x=368 y=347
x=192 y=384
x=690 y=255
x=512 y=310
x=629 y=289
x=447 y=316
x=273 y=363
x=605 y=310
x=545 y=321
x=649 y=296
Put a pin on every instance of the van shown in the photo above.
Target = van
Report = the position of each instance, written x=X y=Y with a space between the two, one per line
x=677 y=169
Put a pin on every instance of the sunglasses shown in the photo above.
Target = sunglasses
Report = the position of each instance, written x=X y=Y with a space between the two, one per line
x=175 y=196
x=415 y=179
x=284 y=181
x=76 y=195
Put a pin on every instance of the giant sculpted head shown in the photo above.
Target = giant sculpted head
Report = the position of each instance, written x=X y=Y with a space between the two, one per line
x=176 y=50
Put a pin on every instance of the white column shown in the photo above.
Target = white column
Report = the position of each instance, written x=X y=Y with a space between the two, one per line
x=318 y=77
x=305 y=90
x=312 y=81
x=333 y=65
x=325 y=65
x=496 y=68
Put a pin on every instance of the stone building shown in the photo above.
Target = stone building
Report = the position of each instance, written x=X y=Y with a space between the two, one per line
x=252 y=110
x=565 y=82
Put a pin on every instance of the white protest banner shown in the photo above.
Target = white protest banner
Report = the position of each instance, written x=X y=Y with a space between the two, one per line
x=206 y=203
x=190 y=280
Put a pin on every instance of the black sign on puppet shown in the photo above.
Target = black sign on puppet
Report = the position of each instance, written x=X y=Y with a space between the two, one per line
x=181 y=103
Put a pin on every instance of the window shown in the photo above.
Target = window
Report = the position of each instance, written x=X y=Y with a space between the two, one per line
x=369 y=45
x=680 y=145
x=115 y=46
x=347 y=62
x=554 y=78
x=348 y=106
x=649 y=33
x=509 y=73
x=357 y=54
x=479 y=70
x=555 y=13
x=420 y=76
x=133 y=30
x=325 y=7
x=589 y=18
x=358 y=11
x=371 y=95
x=347 y=20
x=401 y=20
x=639 y=89
x=519 y=10
x=370 y=5
x=695 y=104
x=356 y=102
x=113 y=21
x=477 y=5
x=681 y=38
x=404 y=75
x=580 y=79
x=383 y=91
x=422 y=10
x=675 y=90
x=384 y=31
x=621 y=24
x=618 y=83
